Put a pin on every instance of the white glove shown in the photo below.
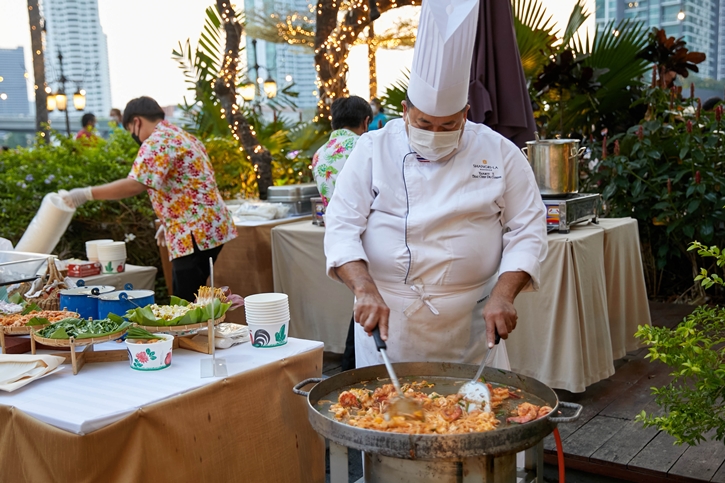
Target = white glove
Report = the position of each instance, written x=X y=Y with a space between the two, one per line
x=161 y=236
x=77 y=196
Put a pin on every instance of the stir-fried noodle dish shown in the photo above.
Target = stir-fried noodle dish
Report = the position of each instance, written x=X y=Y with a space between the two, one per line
x=368 y=409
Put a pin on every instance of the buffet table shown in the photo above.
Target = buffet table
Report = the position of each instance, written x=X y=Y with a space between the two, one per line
x=320 y=308
x=245 y=263
x=142 y=278
x=110 y=423
x=591 y=299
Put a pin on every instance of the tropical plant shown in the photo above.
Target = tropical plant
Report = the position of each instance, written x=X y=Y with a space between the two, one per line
x=670 y=56
x=28 y=174
x=695 y=350
x=234 y=165
x=394 y=95
x=536 y=36
x=667 y=172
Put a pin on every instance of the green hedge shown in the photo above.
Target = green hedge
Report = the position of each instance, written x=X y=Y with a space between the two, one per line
x=28 y=174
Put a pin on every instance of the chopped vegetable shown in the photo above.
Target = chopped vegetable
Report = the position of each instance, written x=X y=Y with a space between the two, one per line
x=83 y=329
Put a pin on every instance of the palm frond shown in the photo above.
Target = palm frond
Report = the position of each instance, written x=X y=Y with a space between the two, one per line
x=576 y=19
x=535 y=35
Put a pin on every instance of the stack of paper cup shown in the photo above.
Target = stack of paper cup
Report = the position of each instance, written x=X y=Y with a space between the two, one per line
x=268 y=319
x=112 y=257
x=92 y=250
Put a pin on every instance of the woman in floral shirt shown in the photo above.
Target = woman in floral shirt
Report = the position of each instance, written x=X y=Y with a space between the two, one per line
x=173 y=167
x=350 y=118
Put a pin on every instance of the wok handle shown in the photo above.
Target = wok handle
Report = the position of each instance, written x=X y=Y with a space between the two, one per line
x=568 y=419
x=297 y=389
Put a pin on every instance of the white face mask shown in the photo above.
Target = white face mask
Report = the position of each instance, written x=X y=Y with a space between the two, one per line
x=433 y=146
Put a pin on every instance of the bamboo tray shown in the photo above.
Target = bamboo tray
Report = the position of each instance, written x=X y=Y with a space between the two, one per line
x=78 y=360
x=19 y=330
x=180 y=330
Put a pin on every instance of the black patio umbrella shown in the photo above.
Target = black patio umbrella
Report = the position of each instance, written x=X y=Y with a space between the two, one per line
x=497 y=92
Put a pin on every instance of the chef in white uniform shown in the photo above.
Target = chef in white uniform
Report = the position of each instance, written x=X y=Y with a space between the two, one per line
x=437 y=223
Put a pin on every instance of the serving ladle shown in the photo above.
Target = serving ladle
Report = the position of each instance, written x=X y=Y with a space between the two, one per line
x=475 y=392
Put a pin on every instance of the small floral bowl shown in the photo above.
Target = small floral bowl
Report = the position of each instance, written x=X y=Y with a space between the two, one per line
x=150 y=356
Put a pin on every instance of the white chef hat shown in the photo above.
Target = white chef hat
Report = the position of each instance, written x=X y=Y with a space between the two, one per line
x=442 y=56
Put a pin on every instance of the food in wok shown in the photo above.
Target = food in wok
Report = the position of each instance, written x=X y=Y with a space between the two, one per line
x=365 y=408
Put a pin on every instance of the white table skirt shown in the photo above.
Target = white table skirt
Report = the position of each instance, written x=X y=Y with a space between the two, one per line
x=142 y=278
x=102 y=393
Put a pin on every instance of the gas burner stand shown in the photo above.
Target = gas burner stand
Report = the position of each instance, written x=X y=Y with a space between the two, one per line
x=563 y=211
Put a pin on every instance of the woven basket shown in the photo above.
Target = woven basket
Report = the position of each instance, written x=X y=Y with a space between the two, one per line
x=179 y=329
x=23 y=329
x=77 y=342
x=50 y=298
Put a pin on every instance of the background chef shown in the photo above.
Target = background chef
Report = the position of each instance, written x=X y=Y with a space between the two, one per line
x=437 y=223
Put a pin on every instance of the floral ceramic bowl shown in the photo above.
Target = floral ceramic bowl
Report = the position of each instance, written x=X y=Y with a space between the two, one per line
x=153 y=355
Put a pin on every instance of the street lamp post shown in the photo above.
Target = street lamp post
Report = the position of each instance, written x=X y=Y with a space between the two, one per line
x=59 y=100
x=251 y=91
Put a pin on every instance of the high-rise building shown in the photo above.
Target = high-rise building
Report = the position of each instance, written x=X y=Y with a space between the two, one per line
x=286 y=64
x=699 y=22
x=721 y=42
x=73 y=28
x=13 y=83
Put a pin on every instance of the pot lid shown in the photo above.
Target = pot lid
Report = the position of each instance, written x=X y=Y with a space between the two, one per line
x=554 y=141
x=132 y=294
x=87 y=290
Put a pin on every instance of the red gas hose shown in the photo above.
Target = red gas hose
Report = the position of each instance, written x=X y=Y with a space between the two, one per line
x=560 y=456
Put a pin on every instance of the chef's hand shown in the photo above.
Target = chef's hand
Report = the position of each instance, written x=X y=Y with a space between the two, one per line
x=161 y=235
x=499 y=314
x=76 y=197
x=370 y=310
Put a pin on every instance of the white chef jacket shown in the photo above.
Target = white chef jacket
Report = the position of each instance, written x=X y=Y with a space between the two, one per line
x=434 y=236
x=456 y=222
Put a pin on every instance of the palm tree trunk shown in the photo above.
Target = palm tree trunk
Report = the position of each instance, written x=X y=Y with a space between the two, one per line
x=37 y=28
x=226 y=90
x=372 y=61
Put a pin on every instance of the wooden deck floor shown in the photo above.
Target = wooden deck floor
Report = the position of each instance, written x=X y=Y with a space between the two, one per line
x=607 y=441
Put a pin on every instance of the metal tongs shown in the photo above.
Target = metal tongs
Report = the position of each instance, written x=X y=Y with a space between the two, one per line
x=476 y=393
x=399 y=405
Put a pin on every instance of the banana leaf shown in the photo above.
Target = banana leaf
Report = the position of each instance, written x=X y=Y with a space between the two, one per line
x=198 y=315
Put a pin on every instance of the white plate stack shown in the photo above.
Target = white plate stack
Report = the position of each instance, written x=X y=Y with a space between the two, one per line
x=268 y=319
x=92 y=248
x=112 y=257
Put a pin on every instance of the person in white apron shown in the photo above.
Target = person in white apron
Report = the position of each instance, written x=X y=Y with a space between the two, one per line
x=437 y=223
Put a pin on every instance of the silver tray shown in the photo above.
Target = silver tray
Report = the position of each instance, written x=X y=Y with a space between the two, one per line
x=16 y=267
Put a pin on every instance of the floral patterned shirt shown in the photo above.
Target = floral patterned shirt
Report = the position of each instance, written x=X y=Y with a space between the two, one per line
x=330 y=158
x=175 y=167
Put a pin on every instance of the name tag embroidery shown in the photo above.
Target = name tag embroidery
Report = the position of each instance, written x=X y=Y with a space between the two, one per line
x=483 y=170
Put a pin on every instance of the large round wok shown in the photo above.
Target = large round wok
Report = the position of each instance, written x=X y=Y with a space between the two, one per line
x=508 y=438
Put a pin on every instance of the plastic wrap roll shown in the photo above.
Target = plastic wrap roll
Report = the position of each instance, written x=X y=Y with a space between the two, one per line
x=48 y=225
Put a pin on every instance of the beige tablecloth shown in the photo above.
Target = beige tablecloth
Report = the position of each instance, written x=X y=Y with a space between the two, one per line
x=591 y=299
x=142 y=278
x=320 y=308
x=245 y=263
x=572 y=345
x=248 y=427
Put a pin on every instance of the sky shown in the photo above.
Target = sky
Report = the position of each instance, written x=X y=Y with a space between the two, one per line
x=142 y=33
